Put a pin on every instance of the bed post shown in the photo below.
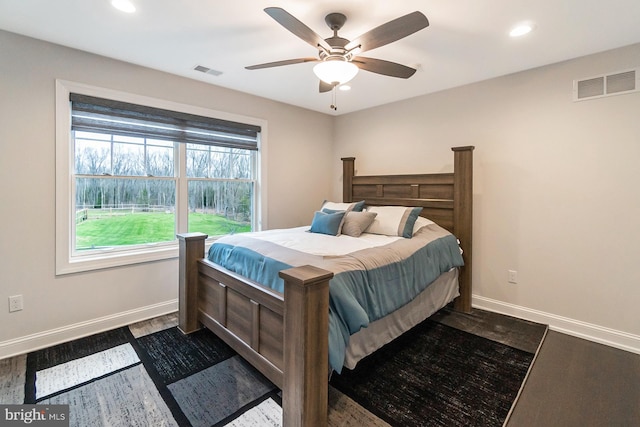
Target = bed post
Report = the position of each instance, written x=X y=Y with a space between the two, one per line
x=191 y=248
x=306 y=346
x=463 y=219
x=348 y=171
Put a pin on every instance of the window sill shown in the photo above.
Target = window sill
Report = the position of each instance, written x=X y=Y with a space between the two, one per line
x=98 y=261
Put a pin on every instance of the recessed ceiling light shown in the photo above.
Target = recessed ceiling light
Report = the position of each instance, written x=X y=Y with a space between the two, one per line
x=123 y=5
x=521 y=29
x=344 y=87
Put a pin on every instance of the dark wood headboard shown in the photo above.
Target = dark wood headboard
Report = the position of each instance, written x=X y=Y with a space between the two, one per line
x=446 y=198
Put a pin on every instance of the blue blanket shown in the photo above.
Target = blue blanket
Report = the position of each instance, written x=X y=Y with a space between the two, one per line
x=367 y=284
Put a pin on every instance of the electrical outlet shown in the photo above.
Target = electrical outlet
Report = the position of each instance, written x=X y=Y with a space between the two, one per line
x=15 y=303
x=512 y=276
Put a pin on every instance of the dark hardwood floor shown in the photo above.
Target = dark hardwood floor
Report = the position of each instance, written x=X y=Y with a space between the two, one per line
x=573 y=382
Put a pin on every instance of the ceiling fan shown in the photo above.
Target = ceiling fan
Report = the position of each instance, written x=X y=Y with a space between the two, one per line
x=337 y=57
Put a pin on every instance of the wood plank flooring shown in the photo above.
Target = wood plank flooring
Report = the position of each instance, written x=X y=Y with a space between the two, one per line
x=575 y=382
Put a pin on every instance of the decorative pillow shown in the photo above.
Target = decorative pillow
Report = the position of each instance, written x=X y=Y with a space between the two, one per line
x=330 y=211
x=421 y=222
x=327 y=223
x=355 y=223
x=393 y=220
x=337 y=206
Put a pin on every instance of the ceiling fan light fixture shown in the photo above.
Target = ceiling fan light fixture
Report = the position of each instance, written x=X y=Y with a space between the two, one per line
x=124 y=5
x=335 y=71
x=521 y=29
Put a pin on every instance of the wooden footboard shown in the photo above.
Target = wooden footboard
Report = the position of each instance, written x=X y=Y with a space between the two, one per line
x=284 y=336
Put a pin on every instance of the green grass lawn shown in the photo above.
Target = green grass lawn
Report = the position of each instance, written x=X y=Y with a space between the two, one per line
x=141 y=228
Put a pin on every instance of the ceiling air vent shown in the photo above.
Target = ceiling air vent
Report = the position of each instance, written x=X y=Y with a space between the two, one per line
x=207 y=70
x=606 y=85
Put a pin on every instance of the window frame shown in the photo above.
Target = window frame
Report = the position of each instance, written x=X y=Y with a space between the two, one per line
x=66 y=261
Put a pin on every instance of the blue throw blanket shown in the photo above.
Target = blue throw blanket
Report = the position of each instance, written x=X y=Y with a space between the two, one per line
x=367 y=284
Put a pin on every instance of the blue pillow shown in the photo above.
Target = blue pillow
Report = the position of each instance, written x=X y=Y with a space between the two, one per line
x=358 y=206
x=331 y=211
x=327 y=223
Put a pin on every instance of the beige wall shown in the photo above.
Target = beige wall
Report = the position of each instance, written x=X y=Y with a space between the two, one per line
x=56 y=308
x=555 y=196
x=555 y=188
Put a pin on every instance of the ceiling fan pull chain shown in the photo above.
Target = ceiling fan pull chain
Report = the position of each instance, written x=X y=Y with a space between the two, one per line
x=333 y=105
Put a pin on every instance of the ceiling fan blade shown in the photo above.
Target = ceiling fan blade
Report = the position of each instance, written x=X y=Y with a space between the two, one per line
x=325 y=87
x=390 y=32
x=292 y=24
x=281 y=63
x=386 y=68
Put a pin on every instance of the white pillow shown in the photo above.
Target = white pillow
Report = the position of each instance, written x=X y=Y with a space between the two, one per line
x=393 y=220
x=421 y=222
x=339 y=206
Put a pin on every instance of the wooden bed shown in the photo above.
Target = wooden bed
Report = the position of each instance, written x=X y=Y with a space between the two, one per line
x=285 y=336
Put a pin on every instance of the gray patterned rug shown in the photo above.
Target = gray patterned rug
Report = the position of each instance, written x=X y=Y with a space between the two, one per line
x=150 y=374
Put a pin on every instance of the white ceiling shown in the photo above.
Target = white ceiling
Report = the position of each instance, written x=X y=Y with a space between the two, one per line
x=467 y=40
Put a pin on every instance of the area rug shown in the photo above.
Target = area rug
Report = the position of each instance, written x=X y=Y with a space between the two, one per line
x=434 y=375
x=162 y=378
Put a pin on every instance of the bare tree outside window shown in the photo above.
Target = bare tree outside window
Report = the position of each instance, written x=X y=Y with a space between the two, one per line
x=126 y=187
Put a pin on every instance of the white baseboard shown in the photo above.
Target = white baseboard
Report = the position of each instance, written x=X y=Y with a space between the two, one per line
x=611 y=337
x=51 y=337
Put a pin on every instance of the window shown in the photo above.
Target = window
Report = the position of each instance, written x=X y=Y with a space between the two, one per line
x=125 y=192
x=134 y=171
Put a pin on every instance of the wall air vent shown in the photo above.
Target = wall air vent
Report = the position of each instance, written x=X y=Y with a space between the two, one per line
x=207 y=70
x=606 y=85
